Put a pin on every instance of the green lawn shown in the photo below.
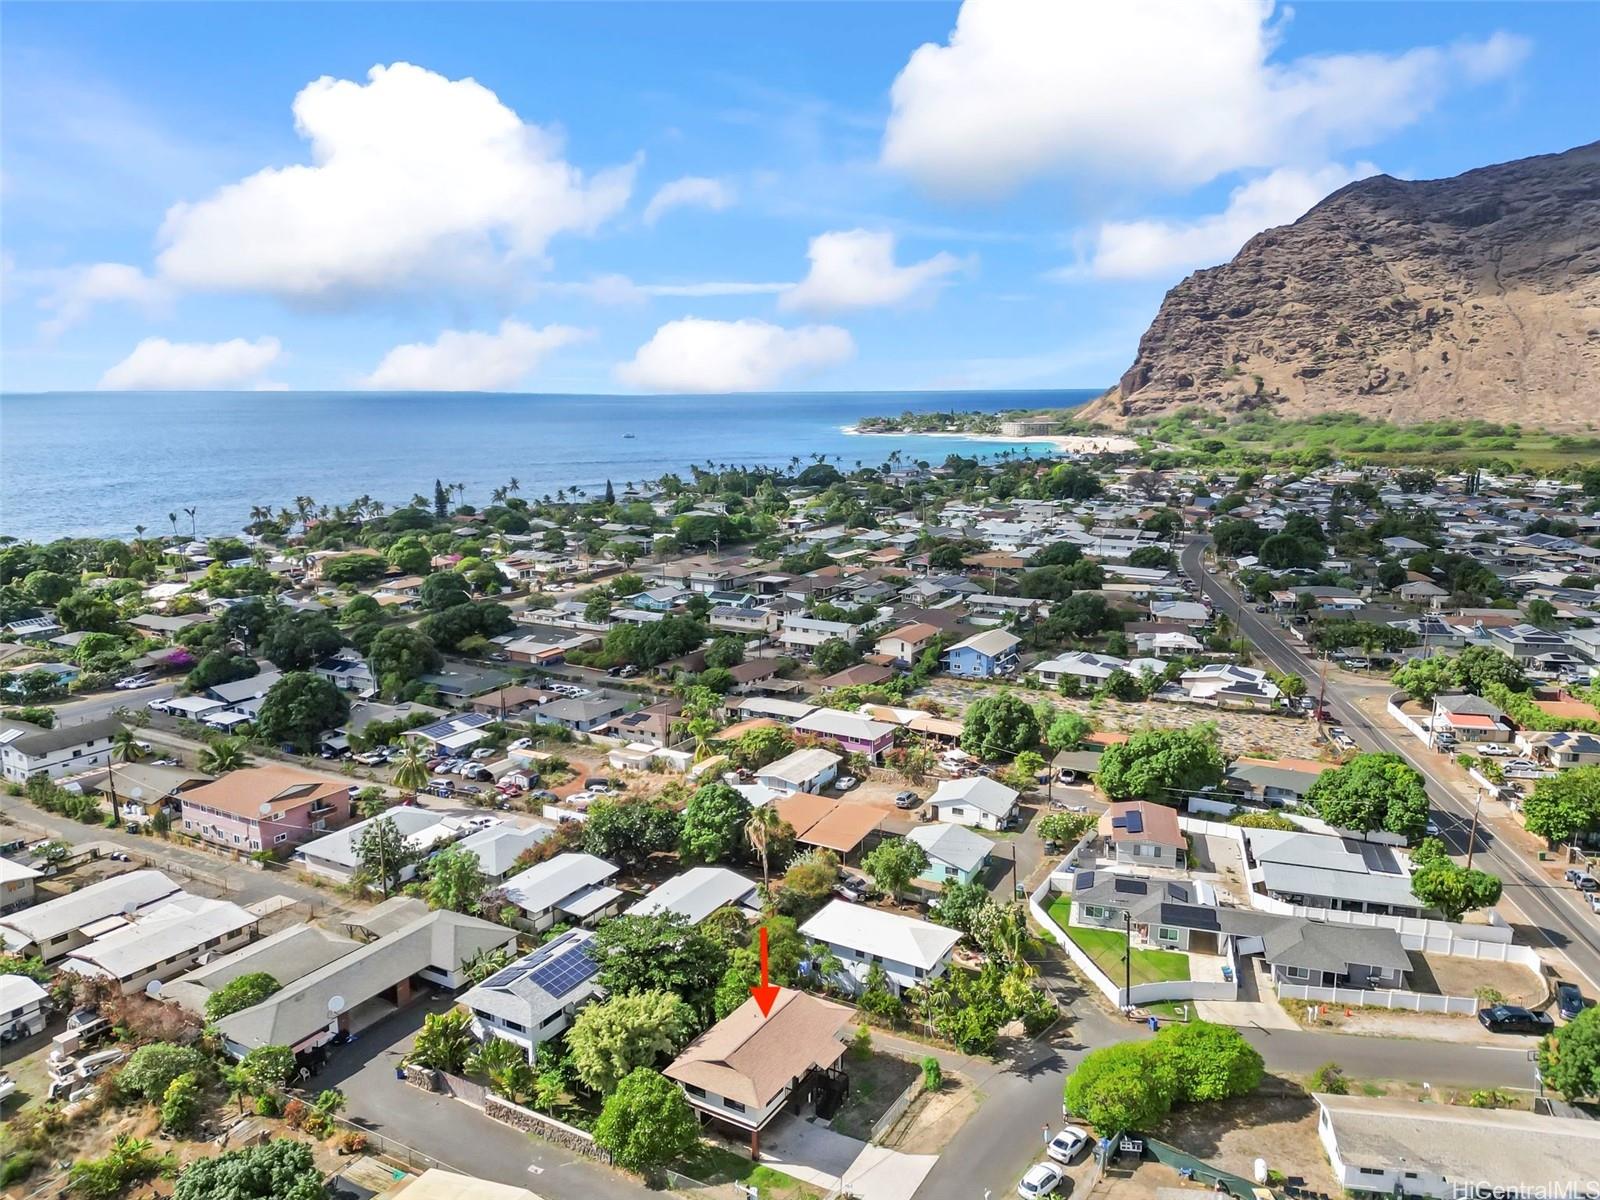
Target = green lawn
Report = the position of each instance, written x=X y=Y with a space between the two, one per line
x=1106 y=947
x=715 y=1165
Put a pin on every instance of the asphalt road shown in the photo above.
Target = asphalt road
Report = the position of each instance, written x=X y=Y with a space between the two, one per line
x=1550 y=909
x=103 y=704
x=1023 y=1092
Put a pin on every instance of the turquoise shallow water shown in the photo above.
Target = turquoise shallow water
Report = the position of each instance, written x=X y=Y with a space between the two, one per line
x=101 y=463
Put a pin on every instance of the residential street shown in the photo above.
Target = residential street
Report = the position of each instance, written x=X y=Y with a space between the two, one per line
x=1553 y=911
x=103 y=704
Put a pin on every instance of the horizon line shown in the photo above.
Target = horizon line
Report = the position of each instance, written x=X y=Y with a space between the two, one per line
x=1002 y=391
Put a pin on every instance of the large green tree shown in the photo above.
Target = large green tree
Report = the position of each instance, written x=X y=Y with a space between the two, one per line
x=298 y=641
x=713 y=823
x=299 y=708
x=999 y=727
x=240 y=992
x=1127 y=1086
x=382 y=854
x=1162 y=766
x=1440 y=882
x=660 y=952
x=1569 y=1058
x=399 y=655
x=1210 y=1062
x=455 y=881
x=628 y=830
x=1372 y=791
x=893 y=863
x=646 y=1123
x=1564 y=806
x=631 y=1030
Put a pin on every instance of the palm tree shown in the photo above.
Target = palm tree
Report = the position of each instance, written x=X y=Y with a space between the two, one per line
x=763 y=825
x=173 y=517
x=193 y=529
x=222 y=756
x=411 y=773
x=124 y=748
x=513 y=485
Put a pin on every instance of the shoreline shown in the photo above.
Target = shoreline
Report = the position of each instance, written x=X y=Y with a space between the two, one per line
x=1063 y=442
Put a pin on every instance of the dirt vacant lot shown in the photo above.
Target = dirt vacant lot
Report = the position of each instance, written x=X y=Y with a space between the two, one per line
x=1234 y=1133
x=1450 y=976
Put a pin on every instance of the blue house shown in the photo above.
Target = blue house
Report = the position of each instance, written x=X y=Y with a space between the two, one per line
x=992 y=652
x=955 y=853
x=662 y=599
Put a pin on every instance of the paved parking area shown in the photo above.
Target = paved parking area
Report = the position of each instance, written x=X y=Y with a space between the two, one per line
x=810 y=1151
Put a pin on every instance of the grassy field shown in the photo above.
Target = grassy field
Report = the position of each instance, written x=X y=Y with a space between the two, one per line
x=1107 y=948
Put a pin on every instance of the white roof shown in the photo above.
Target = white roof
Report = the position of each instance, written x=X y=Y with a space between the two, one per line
x=340 y=846
x=843 y=724
x=545 y=885
x=181 y=926
x=990 y=642
x=871 y=930
x=15 y=872
x=193 y=705
x=801 y=766
x=696 y=894
x=74 y=911
x=953 y=844
x=18 y=991
x=979 y=791
x=498 y=847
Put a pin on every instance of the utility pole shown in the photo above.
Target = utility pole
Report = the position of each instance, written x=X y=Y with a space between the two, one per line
x=1127 y=962
x=1472 y=833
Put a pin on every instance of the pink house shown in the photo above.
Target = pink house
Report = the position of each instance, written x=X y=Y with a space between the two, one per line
x=851 y=731
x=265 y=808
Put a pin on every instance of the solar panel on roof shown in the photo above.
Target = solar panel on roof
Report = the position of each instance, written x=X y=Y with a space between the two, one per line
x=507 y=976
x=1084 y=880
x=564 y=972
x=1133 y=822
x=1130 y=887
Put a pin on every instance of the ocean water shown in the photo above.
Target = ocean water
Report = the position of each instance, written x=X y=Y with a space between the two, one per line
x=101 y=463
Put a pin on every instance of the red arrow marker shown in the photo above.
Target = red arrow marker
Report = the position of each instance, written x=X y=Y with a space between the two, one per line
x=766 y=995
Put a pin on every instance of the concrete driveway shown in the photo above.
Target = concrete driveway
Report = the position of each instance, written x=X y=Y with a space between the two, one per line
x=810 y=1151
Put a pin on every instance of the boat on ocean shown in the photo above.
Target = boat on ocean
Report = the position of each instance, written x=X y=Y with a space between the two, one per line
x=627 y=435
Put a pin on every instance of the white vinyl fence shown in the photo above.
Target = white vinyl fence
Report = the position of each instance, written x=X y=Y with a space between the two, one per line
x=1379 y=998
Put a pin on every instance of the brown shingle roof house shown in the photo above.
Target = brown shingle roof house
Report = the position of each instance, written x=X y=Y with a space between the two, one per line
x=742 y=1069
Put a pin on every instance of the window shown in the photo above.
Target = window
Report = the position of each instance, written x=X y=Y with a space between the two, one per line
x=553 y=1018
x=1166 y=933
x=1296 y=973
x=514 y=1026
x=1145 y=850
x=1370 y=1170
x=694 y=1091
x=732 y=1104
x=282 y=837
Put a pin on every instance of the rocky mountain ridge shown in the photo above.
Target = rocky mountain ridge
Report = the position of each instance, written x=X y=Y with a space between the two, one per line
x=1472 y=296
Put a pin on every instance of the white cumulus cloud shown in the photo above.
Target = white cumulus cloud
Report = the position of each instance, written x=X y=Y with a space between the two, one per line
x=74 y=291
x=1146 y=248
x=1171 y=92
x=855 y=268
x=695 y=355
x=413 y=178
x=469 y=360
x=159 y=365
x=692 y=191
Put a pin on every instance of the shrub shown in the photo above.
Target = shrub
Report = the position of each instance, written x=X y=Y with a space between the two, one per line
x=1329 y=1078
x=861 y=1044
x=181 y=1103
x=152 y=1069
x=932 y=1074
x=240 y=993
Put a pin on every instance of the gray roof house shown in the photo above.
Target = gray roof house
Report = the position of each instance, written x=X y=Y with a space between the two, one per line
x=698 y=892
x=1330 y=955
x=1330 y=872
x=536 y=997
x=365 y=983
x=581 y=715
x=27 y=750
x=569 y=887
x=286 y=955
x=499 y=847
x=955 y=853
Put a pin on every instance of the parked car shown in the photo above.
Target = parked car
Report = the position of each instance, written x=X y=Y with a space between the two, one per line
x=1492 y=750
x=1512 y=1018
x=1569 y=1000
x=1587 y=883
x=628 y=672
x=850 y=887
x=1042 y=1179
x=907 y=800
x=520 y=744
x=845 y=782
x=1573 y=874
x=1067 y=1144
x=1431 y=829
x=483 y=754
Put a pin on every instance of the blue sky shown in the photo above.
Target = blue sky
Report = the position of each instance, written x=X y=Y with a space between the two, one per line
x=685 y=197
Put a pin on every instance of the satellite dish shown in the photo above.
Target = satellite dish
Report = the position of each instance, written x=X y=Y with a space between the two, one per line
x=129 y=909
x=335 y=1005
x=138 y=793
x=266 y=808
x=153 y=989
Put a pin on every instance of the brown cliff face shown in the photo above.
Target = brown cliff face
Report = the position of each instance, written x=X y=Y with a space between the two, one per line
x=1474 y=296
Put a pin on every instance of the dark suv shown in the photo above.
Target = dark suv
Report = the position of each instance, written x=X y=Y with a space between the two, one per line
x=1510 y=1018
x=1569 y=1000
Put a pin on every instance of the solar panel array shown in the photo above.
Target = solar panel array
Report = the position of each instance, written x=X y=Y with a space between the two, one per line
x=1133 y=821
x=564 y=972
x=455 y=724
